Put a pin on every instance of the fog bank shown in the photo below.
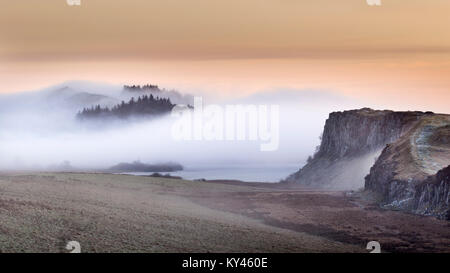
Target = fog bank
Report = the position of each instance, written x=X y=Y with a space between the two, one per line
x=38 y=130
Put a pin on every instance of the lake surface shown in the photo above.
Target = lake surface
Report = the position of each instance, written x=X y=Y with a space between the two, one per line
x=244 y=173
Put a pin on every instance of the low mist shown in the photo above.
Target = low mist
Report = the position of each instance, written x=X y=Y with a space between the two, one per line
x=39 y=130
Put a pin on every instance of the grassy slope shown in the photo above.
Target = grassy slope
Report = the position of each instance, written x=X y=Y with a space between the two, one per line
x=118 y=213
x=41 y=212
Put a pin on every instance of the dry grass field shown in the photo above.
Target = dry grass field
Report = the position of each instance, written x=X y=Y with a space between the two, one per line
x=41 y=212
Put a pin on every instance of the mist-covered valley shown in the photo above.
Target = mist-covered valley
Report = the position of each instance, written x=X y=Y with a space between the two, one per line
x=39 y=130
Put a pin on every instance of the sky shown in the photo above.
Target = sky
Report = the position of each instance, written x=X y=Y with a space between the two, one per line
x=396 y=55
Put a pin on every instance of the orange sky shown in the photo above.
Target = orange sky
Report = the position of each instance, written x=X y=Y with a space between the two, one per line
x=397 y=55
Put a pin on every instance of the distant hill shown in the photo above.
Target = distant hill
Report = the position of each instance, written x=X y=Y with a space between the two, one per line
x=70 y=97
x=138 y=166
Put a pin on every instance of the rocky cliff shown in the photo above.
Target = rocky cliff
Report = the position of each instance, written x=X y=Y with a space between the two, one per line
x=356 y=132
x=401 y=158
x=432 y=196
x=351 y=141
x=412 y=173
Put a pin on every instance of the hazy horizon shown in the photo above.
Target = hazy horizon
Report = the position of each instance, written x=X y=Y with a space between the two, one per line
x=224 y=126
x=311 y=58
x=395 y=56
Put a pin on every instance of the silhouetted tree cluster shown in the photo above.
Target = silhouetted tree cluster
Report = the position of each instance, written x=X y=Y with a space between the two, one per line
x=143 y=106
x=141 y=88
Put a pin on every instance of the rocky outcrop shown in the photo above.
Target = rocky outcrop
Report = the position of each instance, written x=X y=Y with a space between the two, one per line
x=412 y=174
x=432 y=196
x=351 y=141
x=401 y=158
x=356 y=132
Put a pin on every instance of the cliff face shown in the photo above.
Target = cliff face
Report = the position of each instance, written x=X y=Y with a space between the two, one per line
x=399 y=157
x=351 y=141
x=432 y=196
x=356 y=132
x=412 y=173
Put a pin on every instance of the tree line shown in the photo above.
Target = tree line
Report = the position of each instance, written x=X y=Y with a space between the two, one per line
x=143 y=106
x=151 y=87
